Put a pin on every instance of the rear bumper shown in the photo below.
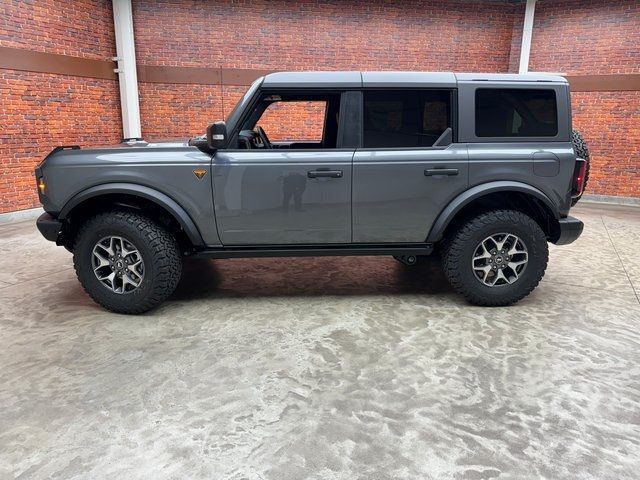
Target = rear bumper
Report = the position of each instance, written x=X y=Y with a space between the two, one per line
x=570 y=230
x=49 y=227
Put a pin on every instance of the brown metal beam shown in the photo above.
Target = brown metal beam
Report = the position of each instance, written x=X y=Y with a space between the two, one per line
x=603 y=83
x=31 y=61
x=28 y=60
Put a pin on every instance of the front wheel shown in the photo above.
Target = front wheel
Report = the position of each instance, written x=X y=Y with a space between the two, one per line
x=496 y=258
x=126 y=262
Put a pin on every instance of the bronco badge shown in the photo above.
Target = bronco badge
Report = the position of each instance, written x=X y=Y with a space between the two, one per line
x=200 y=172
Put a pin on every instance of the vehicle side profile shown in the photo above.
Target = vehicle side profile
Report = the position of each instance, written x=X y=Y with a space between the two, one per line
x=480 y=168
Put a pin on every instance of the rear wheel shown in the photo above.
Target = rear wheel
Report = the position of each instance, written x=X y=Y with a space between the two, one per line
x=126 y=262
x=496 y=258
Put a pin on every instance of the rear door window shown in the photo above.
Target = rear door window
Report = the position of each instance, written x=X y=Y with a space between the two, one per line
x=408 y=118
x=516 y=112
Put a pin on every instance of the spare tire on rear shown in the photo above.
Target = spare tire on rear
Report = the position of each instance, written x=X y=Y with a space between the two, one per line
x=582 y=151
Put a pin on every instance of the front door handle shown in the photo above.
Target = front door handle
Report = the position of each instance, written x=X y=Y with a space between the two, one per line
x=324 y=173
x=433 y=172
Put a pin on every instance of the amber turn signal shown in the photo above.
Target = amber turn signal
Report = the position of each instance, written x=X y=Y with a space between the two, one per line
x=41 y=185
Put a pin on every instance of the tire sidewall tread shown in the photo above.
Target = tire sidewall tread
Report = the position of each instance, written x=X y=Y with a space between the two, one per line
x=159 y=251
x=459 y=249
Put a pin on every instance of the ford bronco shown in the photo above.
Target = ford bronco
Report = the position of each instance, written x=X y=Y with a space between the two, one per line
x=480 y=168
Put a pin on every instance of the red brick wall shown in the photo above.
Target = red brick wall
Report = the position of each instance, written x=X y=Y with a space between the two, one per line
x=307 y=35
x=585 y=37
x=325 y=35
x=39 y=111
x=296 y=121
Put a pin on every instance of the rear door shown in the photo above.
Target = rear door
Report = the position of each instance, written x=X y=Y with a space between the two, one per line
x=409 y=167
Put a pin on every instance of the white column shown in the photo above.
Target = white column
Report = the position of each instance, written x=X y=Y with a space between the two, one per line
x=527 y=31
x=127 y=75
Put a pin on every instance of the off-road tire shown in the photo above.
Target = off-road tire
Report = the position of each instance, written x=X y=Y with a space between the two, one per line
x=459 y=249
x=582 y=151
x=158 y=249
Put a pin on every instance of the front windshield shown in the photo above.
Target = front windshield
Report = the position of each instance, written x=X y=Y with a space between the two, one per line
x=237 y=110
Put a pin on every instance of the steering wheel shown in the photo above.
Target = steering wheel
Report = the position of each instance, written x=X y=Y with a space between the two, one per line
x=263 y=137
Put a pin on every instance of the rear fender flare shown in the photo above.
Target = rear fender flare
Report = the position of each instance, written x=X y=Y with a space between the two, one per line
x=474 y=193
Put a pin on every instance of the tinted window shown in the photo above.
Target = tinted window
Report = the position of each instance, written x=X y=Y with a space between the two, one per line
x=405 y=118
x=516 y=112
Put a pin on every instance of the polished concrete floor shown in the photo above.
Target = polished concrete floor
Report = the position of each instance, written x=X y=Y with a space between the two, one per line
x=326 y=368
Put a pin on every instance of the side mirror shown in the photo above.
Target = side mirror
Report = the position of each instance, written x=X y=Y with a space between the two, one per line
x=217 y=135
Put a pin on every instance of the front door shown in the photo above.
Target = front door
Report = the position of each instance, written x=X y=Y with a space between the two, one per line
x=287 y=182
x=409 y=168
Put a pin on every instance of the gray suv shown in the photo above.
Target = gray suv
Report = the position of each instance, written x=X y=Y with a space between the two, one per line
x=480 y=168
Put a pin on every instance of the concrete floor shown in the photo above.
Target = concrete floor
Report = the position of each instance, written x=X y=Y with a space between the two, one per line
x=325 y=368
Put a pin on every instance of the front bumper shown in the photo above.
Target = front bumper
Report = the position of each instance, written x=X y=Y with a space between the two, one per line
x=49 y=227
x=570 y=230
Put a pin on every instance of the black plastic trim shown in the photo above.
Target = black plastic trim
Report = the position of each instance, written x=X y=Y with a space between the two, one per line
x=49 y=226
x=570 y=229
x=478 y=191
x=159 y=198
x=316 y=250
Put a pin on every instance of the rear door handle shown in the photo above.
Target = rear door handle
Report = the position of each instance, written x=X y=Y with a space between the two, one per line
x=324 y=173
x=433 y=172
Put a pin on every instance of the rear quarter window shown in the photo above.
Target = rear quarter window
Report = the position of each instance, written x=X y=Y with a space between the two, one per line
x=516 y=112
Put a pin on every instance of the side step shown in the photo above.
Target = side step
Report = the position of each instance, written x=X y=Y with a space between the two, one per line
x=396 y=250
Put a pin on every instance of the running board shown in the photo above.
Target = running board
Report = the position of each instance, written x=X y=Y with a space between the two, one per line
x=316 y=250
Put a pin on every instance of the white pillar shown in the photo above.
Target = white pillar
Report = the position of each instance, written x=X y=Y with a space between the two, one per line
x=527 y=31
x=127 y=75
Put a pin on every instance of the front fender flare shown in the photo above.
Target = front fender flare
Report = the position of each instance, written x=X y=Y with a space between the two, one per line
x=155 y=196
x=478 y=191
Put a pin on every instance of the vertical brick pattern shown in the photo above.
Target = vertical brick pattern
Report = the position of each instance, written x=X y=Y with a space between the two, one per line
x=585 y=37
x=39 y=111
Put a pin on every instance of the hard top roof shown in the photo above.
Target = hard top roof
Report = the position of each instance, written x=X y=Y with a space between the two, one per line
x=355 y=79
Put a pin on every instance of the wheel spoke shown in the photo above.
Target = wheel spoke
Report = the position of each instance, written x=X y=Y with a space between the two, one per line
x=103 y=261
x=128 y=280
x=499 y=259
x=118 y=265
x=485 y=253
x=125 y=252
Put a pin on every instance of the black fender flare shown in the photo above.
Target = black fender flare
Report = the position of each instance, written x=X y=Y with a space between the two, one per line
x=162 y=200
x=478 y=191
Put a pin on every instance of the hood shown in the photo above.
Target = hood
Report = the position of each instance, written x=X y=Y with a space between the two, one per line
x=174 y=143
